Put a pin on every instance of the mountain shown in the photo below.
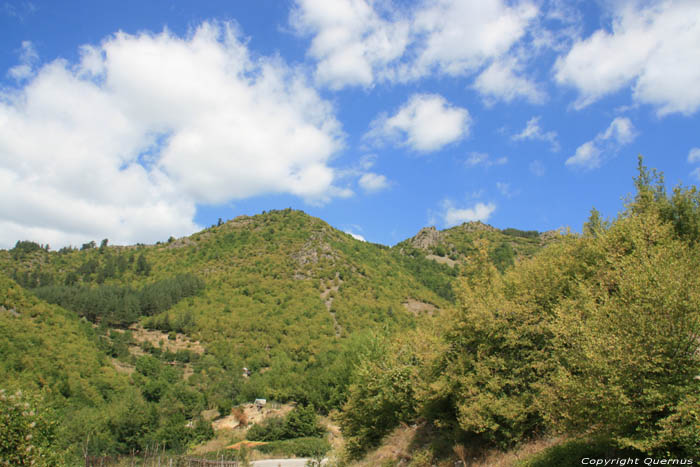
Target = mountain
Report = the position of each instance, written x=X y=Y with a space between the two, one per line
x=282 y=294
x=450 y=246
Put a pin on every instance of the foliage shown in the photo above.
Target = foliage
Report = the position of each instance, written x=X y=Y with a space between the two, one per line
x=48 y=350
x=594 y=334
x=27 y=431
x=521 y=233
x=436 y=277
x=118 y=305
x=630 y=369
x=301 y=422
x=300 y=447
x=23 y=248
x=387 y=385
x=498 y=351
x=502 y=256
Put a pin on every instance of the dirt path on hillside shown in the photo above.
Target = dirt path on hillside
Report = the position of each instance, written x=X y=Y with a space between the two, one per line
x=327 y=297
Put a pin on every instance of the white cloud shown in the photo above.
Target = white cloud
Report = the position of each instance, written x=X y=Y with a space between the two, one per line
x=453 y=215
x=426 y=123
x=28 y=58
x=503 y=80
x=361 y=42
x=621 y=131
x=352 y=41
x=694 y=155
x=356 y=236
x=533 y=131
x=126 y=142
x=483 y=159
x=505 y=189
x=367 y=161
x=457 y=37
x=590 y=154
x=587 y=156
x=696 y=173
x=651 y=46
x=537 y=168
x=372 y=182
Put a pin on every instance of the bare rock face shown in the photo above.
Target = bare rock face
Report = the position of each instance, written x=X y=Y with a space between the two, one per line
x=315 y=248
x=426 y=238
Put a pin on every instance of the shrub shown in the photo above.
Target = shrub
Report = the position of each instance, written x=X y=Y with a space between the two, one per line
x=301 y=422
x=300 y=447
x=27 y=431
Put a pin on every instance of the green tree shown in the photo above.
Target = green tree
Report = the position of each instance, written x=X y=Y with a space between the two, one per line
x=630 y=369
x=27 y=431
x=595 y=224
x=143 y=267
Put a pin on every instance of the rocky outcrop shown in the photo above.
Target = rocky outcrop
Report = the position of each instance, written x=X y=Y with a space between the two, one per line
x=315 y=249
x=426 y=238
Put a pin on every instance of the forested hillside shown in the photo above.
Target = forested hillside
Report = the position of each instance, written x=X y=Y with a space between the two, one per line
x=283 y=295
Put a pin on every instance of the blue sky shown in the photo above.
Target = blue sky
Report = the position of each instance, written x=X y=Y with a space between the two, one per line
x=135 y=120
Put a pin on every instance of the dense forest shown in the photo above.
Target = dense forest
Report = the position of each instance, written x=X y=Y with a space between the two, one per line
x=484 y=338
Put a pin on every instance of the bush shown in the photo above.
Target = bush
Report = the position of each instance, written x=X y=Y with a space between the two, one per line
x=26 y=431
x=302 y=422
x=300 y=447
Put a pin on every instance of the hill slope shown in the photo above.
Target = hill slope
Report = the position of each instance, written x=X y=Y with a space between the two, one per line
x=285 y=296
x=279 y=305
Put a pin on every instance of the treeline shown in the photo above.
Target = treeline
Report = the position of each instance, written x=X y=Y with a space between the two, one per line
x=520 y=233
x=595 y=336
x=98 y=268
x=117 y=305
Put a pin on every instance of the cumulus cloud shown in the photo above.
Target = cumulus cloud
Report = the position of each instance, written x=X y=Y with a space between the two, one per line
x=590 y=154
x=361 y=42
x=453 y=215
x=125 y=143
x=503 y=80
x=372 y=182
x=533 y=131
x=426 y=123
x=652 y=47
x=352 y=41
x=483 y=159
x=459 y=36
